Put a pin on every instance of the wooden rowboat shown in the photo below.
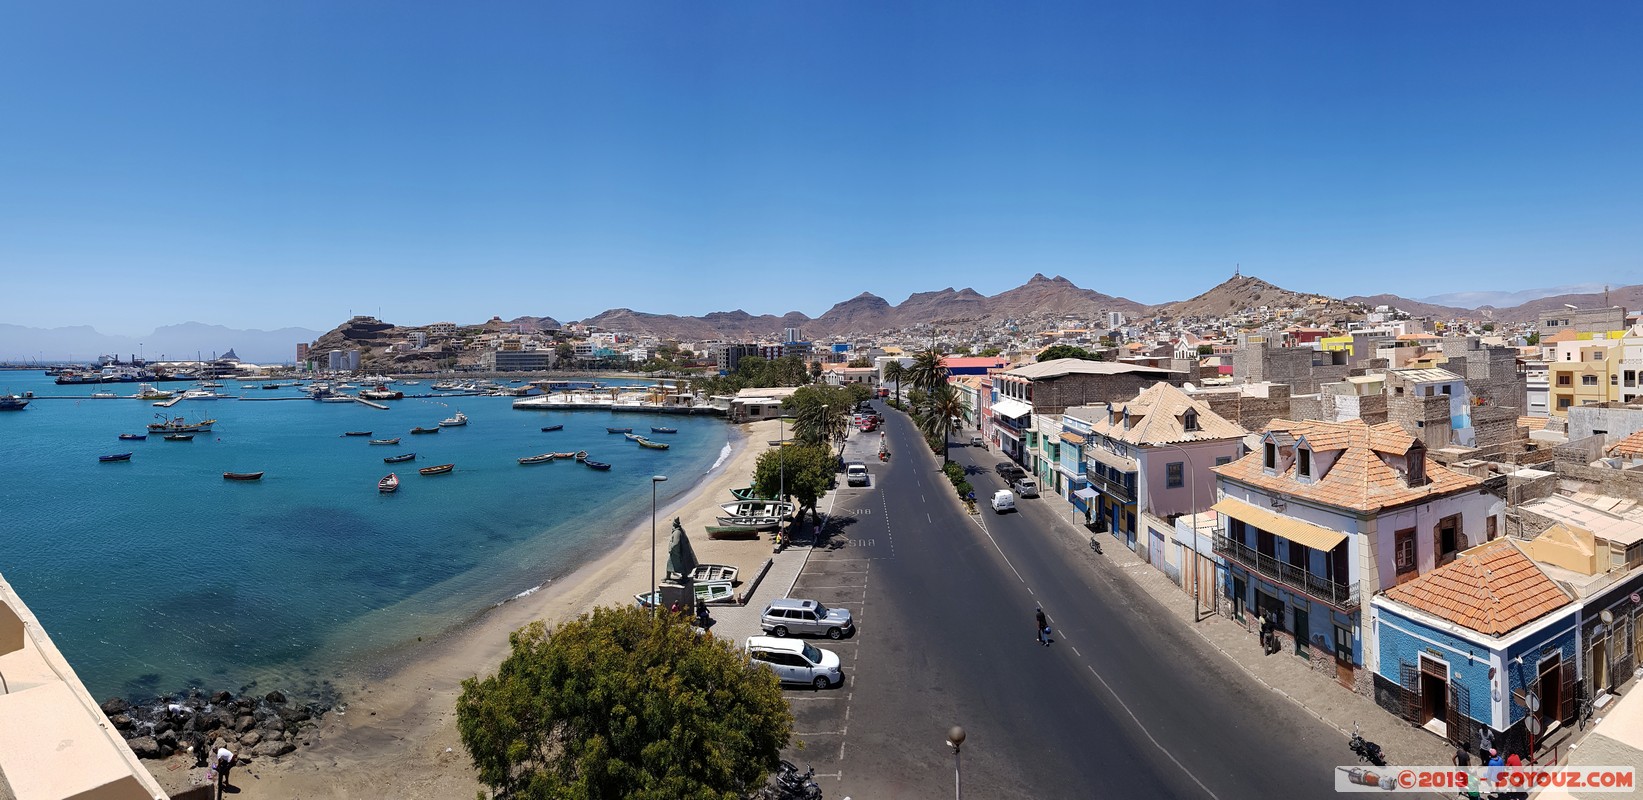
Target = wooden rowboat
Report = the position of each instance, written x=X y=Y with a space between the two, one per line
x=179 y=437
x=541 y=459
x=420 y=429
x=394 y=440
x=115 y=457
x=439 y=470
x=618 y=430
x=357 y=433
x=598 y=465
x=643 y=442
x=242 y=476
x=552 y=428
x=655 y=429
x=133 y=437
x=399 y=458
x=388 y=485
x=731 y=532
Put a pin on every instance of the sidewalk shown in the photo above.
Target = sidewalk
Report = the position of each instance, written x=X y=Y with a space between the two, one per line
x=1615 y=741
x=1287 y=675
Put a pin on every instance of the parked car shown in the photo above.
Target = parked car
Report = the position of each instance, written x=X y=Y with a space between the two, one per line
x=855 y=473
x=787 y=615
x=1025 y=487
x=977 y=441
x=1003 y=501
x=796 y=662
x=1009 y=470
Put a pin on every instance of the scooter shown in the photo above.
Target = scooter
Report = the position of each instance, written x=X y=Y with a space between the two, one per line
x=1366 y=750
x=794 y=784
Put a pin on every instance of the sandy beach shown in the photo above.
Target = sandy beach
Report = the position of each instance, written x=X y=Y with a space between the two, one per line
x=397 y=737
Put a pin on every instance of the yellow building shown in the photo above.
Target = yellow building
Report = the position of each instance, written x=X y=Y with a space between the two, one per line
x=1333 y=343
x=1586 y=372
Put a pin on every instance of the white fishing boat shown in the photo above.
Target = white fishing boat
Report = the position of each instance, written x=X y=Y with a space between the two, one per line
x=103 y=396
x=758 y=508
x=202 y=394
x=454 y=422
x=146 y=391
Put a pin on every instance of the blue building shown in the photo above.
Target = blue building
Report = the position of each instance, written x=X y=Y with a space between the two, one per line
x=1466 y=649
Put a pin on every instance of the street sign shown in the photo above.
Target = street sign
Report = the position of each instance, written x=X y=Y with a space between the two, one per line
x=1532 y=702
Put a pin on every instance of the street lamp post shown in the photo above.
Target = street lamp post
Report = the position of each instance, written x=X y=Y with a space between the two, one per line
x=781 y=457
x=656 y=598
x=955 y=740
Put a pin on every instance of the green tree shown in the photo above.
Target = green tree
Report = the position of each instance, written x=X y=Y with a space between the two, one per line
x=895 y=372
x=1056 y=351
x=623 y=703
x=1534 y=339
x=989 y=352
x=961 y=350
x=941 y=415
x=820 y=414
x=859 y=362
x=1206 y=349
x=809 y=469
x=927 y=372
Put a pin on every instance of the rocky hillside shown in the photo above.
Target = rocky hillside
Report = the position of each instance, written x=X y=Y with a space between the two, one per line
x=1247 y=293
x=1414 y=308
x=1630 y=297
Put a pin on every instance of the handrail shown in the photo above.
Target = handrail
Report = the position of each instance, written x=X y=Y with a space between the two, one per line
x=1337 y=594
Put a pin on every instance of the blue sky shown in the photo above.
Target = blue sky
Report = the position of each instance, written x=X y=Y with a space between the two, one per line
x=271 y=164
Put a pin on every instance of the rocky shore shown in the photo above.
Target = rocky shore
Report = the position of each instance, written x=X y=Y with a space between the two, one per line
x=266 y=726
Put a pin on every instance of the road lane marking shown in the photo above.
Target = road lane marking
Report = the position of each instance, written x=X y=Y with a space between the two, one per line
x=1000 y=550
x=1148 y=734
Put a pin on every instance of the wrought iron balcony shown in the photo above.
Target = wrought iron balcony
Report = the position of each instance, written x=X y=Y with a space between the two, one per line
x=1340 y=595
x=1111 y=488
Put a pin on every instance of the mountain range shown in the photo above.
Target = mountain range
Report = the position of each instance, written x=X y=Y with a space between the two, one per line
x=185 y=341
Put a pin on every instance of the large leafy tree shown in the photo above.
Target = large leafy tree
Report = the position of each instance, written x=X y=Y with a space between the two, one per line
x=809 y=470
x=926 y=371
x=821 y=414
x=622 y=703
x=1056 y=351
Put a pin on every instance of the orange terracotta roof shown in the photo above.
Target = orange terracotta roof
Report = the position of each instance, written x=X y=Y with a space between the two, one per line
x=1360 y=479
x=1630 y=447
x=1071 y=438
x=1565 y=335
x=1493 y=588
x=1533 y=423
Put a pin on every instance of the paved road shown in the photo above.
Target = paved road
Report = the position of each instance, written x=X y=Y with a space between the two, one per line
x=1118 y=707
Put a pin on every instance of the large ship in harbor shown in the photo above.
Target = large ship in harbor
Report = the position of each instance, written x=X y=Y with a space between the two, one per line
x=179 y=425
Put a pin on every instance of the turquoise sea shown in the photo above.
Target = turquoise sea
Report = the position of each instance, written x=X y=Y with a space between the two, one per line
x=157 y=575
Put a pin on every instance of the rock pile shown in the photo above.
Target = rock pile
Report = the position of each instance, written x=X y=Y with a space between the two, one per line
x=268 y=726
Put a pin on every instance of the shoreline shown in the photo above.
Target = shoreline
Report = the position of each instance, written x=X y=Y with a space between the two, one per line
x=395 y=734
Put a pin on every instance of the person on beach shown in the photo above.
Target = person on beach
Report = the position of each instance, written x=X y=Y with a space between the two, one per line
x=1043 y=627
x=225 y=760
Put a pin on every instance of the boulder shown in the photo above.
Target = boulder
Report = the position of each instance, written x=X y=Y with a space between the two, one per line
x=166 y=739
x=245 y=723
x=251 y=738
x=273 y=749
x=145 y=747
x=115 y=705
x=221 y=697
x=291 y=715
x=121 y=721
x=275 y=696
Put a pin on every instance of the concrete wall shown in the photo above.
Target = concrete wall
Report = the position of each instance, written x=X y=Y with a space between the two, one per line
x=1615 y=420
x=1425 y=418
x=1055 y=395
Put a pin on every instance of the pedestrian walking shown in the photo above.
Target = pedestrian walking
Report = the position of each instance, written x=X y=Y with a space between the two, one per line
x=1043 y=627
x=1461 y=759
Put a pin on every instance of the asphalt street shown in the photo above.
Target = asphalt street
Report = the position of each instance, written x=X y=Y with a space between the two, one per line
x=1122 y=705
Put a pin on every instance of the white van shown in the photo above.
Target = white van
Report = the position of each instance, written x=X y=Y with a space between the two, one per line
x=855 y=473
x=1003 y=501
x=796 y=661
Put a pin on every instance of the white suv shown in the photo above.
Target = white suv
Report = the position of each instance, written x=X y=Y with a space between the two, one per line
x=855 y=473
x=1025 y=487
x=796 y=662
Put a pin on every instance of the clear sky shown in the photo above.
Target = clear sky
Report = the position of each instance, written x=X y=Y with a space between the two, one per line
x=282 y=163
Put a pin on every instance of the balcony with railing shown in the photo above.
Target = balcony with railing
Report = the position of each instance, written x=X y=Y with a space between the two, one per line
x=1339 y=595
x=1120 y=490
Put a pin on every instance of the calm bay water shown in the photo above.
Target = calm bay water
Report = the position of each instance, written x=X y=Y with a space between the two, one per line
x=157 y=575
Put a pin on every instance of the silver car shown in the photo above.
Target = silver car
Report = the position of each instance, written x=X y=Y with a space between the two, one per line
x=790 y=616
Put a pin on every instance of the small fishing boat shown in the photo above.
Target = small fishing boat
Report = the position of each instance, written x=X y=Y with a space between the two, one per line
x=179 y=437
x=748 y=493
x=394 y=440
x=382 y=392
x=758 y=508
x=270 y=386
x=454 y=422
x=577 y=456
x=655 y=429
x=180 y=425
x=552 y=428
x=632 y=437
x=749 y=523
x=598 y=465
x=11 y=402
x=133 y=437
x=388 y=485
x=706 y=573
x=103 y=395
x=115 y=457
x=618 y=430
x=439 y=470
x=399 y=458
x=541 y=459
x=357 y=433
x=242 y=476
x=420 y=429
x=643 y=442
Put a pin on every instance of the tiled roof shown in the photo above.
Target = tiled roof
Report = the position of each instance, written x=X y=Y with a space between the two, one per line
x=1360 y=479
x=1156 y=417
x=1072 y=438
x=1629 y=447
x=1533 y=423
x=1493 y=588
x=1058 y=367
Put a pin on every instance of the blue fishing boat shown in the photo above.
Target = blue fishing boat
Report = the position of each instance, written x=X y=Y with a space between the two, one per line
x=115 y=457
x=655 y=429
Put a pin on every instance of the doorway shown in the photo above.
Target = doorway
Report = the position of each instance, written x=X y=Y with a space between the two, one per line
x=1302 y=634
x=1434 y=690
x=1550 y=689
x=1597 y=663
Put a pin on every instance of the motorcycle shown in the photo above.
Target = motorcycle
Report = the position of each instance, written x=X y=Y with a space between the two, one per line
x=1366 y=750
x=791 y=784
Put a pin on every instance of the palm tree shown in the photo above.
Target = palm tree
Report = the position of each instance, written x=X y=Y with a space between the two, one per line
x=894 y=371
x=940 y=415
x=927 y=371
